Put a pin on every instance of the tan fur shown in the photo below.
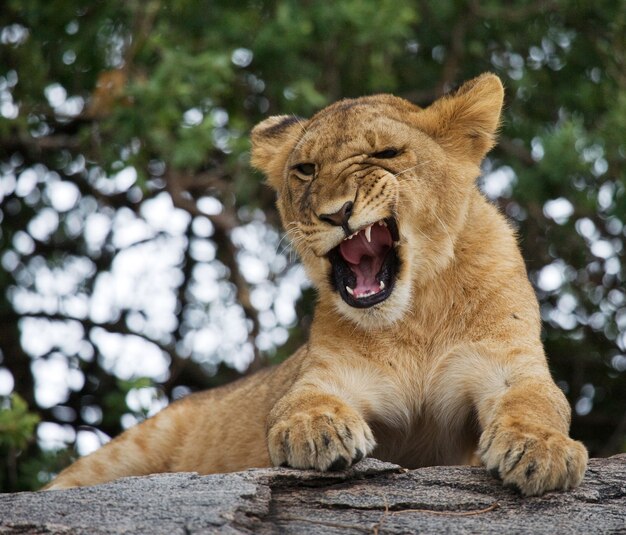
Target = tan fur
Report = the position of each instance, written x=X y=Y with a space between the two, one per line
x=449 y=366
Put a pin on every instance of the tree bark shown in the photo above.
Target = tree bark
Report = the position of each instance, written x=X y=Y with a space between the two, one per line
x=373 y=497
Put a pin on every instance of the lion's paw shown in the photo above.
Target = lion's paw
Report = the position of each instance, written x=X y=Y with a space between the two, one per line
x=532 y=458
x=323 y=438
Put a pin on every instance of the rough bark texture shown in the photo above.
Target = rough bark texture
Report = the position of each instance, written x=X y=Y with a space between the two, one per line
x=373 y=497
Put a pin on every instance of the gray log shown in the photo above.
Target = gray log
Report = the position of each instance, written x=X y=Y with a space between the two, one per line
x=373 y=497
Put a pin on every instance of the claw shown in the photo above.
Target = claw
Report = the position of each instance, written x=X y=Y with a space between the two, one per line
x=339 y=464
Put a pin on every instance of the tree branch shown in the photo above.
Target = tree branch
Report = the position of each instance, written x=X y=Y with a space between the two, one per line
x=223 y=224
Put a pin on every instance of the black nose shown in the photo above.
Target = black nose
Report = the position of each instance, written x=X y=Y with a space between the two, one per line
x=340 y=218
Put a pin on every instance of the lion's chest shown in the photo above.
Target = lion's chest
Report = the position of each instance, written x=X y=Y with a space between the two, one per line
x=420 y=415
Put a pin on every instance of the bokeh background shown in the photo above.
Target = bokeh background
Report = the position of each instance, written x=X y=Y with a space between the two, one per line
x=140 y=256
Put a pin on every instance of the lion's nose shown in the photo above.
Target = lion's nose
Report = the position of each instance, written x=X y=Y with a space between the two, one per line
x=340 y=218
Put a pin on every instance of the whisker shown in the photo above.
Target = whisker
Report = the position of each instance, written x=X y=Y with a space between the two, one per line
x=294 y=233
x=284 y=237
x=302 y=127
x=424 y=234
x=444 y=228
x=411 y=168
x=406 y=170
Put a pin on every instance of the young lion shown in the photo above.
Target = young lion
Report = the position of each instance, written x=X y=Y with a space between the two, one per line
x=425 y=346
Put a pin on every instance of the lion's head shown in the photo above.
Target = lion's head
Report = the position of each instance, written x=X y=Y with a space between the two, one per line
x=374 y=191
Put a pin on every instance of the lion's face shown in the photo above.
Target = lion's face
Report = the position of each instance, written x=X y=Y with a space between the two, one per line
x=373 y=192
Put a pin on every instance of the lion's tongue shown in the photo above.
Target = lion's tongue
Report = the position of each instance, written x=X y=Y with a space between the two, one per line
x=366 y=258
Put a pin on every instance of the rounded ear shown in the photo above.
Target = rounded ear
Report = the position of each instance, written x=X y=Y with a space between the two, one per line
x=467 y=121
x=272 y=140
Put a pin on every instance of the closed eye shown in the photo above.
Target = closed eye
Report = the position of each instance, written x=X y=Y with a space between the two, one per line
x=386 y=154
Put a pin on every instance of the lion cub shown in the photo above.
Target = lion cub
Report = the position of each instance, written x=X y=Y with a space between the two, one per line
x=425 y=346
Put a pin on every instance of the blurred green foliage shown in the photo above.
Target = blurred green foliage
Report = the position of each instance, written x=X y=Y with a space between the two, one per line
x=171 y=89
x=16 y=423
x=17 y=427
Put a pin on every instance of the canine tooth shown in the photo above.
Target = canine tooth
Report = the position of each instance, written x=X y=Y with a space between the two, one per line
x=382 y=285
x=350 y=290
x=368 y=234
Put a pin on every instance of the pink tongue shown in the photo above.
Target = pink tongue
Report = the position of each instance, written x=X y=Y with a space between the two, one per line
x=366 y=258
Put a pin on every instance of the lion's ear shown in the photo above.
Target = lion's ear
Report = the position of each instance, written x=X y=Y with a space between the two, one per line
x=272 y=140
x=467 y=121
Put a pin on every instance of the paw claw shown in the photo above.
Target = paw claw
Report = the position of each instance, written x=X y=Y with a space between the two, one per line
x=531 y=458
x=494 y=472
x=530 y=470
x=327 y=437
x=339 y=464
x=513 y=487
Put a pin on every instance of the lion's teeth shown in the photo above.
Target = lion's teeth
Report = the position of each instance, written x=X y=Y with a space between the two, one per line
x=382 y=285
x=368 y=234
x=350 y=290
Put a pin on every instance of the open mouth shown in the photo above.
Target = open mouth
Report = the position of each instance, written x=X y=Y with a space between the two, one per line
x=365 y=265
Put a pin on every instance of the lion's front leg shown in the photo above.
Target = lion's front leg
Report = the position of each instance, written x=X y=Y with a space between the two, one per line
x=312 y=429
x=525 y=438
